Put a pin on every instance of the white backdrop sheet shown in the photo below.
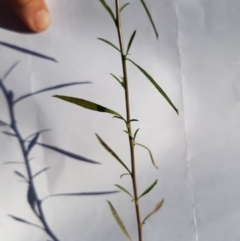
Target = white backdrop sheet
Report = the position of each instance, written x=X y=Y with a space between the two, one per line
x=196 y=61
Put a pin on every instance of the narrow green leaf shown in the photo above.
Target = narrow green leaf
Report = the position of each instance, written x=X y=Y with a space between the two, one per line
x=157 y=207
x=150 y=153
x=121 y=118
x=148 y=189
x=124 y=190
x=109 y=43
x=132 y=120
x=125 y=174
x=128 y=134
x=118 y=80
x=125 y=5
x=111 y=152
x=87 y=104
x=150 y=17
x=130 y=42
x=155 y=84
x=135 y=134
x=119 y=221
x=108 y=10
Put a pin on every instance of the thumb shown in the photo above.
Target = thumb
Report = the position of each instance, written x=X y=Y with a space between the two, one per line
x=34 y=13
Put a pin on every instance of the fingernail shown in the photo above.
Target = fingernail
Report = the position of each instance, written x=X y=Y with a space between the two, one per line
x=41 y=20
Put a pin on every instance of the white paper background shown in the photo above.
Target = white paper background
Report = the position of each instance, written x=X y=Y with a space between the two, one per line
x=195 y=60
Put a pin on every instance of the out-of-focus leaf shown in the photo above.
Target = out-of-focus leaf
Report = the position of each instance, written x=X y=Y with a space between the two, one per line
x=124 y=5
x=150 y=17
x=111 y=152
x=130 y=42
x=33 y=142
x=124 y=190
x=155 y=84
x=157 y=207
x=10 y=70
x=148 y=189
x=119 y=221
x=20 y=175
x=67 y=153
x=49 y=89
x=27 y=51
x=125 y=174
x=118 y=80
x=109 y=43
x=150 y=153
x=108 y=10
x=87 y=104
x=31 y=198
x=24 y=221
x=2 y=123
x=135 y=134
x=41 y=171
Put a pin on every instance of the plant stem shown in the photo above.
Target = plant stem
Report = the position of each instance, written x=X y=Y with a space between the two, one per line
x=10 y=102
x=131 y=142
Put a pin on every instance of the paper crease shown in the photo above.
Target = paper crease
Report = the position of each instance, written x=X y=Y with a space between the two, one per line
x=184 y=123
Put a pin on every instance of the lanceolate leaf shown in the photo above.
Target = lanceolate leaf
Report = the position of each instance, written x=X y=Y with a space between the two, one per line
x=121 y=118
x=24 y=221
x=124 y=5
x=119 y=221
x=43 y=170
x=135 y=134
x=112 y=152
x=118 y=80
x=67 y=153
x=157 y=207
x=108 y=10
x=87 y=104
x=155 y=84
x=148 y=189
x=150 y=17
x=124 y=190
x=130 y=42
x=125 y=174
x=150 y=153
x=109 y=43
x=133 y=120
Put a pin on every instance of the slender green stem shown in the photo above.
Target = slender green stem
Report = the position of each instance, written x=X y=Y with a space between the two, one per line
x=131 y=142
